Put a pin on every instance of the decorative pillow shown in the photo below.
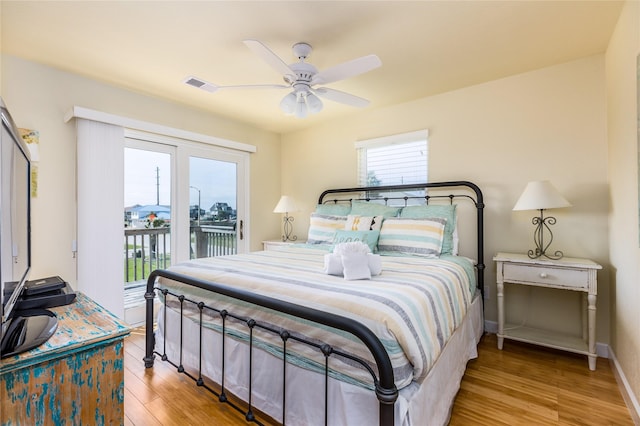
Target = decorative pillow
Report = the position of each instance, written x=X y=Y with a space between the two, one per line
x=334 y=209
x=364 y=208
x=370 y=238
x=322 y=228
x=419 y=237
x=447 y=212
x=363 y=223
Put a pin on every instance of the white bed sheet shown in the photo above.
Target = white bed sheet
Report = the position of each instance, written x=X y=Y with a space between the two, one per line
x=426 y=403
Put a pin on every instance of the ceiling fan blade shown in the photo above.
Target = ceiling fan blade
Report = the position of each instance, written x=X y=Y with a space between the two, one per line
x=201 y=84
x=269 y=57
x=256 y=86
x=347 y=69
x=342 y=97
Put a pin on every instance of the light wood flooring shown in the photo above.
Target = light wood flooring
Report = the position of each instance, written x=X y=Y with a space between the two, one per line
x=521 y=385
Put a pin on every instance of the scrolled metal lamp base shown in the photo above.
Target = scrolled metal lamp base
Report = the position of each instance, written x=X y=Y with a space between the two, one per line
x=288 y=228
x=542 y=223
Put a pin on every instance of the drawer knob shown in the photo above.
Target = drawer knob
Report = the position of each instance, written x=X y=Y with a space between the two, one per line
x=543 y=275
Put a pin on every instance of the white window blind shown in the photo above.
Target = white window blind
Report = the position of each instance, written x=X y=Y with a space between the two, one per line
x=100 y=189
x=393 y=160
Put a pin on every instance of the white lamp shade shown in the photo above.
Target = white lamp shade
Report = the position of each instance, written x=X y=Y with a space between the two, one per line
x=314 y=103
x=285 y=205
x=540 y=195
x=288 y=103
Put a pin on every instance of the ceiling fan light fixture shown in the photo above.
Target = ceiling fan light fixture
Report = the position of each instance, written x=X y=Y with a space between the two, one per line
x=314 y=103
x=288 y=103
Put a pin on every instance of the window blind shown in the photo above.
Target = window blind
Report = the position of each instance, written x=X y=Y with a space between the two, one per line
x=393 y=160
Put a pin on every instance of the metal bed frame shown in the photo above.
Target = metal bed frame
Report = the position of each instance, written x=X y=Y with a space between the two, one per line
x=385 y=389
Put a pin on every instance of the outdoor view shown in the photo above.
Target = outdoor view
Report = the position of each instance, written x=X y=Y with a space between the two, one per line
x=148 y=211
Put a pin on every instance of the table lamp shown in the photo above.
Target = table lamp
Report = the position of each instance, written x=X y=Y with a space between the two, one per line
x=542 y=195
x=286 y=205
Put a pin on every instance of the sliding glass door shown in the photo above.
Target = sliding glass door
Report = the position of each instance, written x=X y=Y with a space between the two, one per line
x=182 y=200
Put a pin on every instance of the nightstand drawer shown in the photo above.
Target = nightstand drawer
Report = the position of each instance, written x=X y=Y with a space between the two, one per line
x=545 y=275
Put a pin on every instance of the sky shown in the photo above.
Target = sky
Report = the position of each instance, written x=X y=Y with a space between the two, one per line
x=148 y=176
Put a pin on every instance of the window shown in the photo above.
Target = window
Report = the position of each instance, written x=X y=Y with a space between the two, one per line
x=393 y=160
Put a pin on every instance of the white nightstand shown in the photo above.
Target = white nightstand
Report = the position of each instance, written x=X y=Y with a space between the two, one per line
x=565 y=274
x=271 y=244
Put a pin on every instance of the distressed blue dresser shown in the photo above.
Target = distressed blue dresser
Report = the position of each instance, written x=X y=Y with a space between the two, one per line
x=76 y=377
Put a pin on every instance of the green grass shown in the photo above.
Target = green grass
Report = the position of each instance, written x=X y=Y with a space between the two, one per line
x=137 y=263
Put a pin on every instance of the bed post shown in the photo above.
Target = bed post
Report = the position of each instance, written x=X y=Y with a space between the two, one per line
x=387 y=399
x=149 y=296
x=480 y=232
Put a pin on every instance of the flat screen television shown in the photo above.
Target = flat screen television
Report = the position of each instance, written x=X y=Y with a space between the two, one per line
x=20 y=330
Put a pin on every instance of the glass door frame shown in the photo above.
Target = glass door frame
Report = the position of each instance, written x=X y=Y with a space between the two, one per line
x=184 y=149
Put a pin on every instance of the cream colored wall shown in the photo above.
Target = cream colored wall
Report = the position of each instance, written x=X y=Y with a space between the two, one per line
x=546 y=124
x=38 y=98
x=623 y=175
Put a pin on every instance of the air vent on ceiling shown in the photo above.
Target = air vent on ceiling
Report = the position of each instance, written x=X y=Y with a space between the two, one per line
x=200 y=84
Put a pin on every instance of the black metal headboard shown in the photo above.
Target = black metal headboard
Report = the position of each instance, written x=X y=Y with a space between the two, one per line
x=458 y=189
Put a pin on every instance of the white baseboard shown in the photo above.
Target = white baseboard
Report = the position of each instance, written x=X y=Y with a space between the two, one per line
x=491 y=327
x=627 y=393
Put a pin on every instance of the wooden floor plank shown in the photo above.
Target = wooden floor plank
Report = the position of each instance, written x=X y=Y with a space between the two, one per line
x=520 y=385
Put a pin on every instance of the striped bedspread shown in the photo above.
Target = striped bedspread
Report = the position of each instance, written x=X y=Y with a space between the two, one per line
x=413 y=306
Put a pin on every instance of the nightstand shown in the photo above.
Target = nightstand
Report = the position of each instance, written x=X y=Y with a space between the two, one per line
x=271 y=244
x=569 y=274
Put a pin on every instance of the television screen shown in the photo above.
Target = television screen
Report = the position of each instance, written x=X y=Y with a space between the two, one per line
x=15 y=196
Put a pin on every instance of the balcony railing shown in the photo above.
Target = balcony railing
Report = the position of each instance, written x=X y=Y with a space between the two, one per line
x=147 y=249
x=212 y=240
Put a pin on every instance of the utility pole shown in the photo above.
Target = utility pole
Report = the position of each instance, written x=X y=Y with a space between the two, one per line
x=157 y=186
x=193 y=187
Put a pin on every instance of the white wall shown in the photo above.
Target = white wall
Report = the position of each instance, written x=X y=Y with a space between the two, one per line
x=38 y=98
x=623 y=132
x=546 y=124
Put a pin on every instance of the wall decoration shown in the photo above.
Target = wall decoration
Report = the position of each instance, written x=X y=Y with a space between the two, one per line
x=32 y=138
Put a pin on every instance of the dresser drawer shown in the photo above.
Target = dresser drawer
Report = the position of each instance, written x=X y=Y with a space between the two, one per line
x=546 y=275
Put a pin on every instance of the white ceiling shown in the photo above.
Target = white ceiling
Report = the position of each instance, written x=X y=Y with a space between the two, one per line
x=426 y=47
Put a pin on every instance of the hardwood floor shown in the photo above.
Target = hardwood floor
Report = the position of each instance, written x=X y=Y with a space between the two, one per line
x=526 y=385
x=521 y=385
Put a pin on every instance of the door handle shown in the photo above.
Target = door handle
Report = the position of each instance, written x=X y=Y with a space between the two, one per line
x=241 y=229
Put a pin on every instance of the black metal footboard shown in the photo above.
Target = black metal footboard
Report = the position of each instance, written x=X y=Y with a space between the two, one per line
x=385 y=388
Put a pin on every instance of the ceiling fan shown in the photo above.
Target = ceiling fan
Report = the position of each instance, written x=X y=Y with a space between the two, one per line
x=303 y=78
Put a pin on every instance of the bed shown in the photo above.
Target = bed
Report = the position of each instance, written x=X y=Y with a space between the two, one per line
x=303 y=347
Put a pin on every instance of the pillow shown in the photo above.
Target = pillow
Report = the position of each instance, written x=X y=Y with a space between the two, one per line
x=322 y=228
x=363 y=223
x=370 y=238
x=447 y=212
x=364 y=208
x=334 y=209
x=418 y=237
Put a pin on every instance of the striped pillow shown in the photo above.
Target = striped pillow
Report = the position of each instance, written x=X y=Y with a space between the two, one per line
x=323 y=227
x=418 y=237
x=449 y=244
